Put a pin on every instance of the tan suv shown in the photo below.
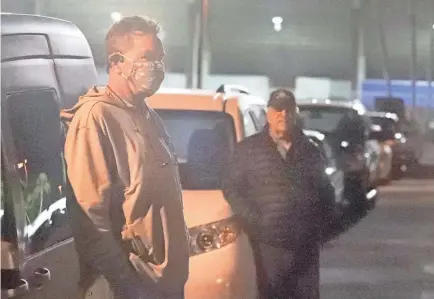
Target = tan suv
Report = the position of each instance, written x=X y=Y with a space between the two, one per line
x=204 y=127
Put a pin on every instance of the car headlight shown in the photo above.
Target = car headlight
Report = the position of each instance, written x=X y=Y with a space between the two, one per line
x=330 y=170
x=214 y=235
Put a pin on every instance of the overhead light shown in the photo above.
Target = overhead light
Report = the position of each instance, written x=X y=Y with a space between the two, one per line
x=116 y=16
x=277 y=20
x=277 y=23
x=432 y=26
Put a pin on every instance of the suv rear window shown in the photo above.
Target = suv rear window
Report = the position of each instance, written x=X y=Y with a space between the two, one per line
x=202 y=141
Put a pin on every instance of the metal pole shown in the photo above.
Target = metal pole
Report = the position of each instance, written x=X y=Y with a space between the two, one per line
x=193 y=42
x=39 y=6
x=384 y=53
x=430 y=68
x=202 y=38
x=413 y=64
x=361 y=58
x=359 y=45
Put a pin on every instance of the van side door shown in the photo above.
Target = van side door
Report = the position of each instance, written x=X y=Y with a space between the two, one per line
x=32 y=131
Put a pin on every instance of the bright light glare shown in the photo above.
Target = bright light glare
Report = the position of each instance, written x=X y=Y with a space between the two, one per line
x=376 y=128
x=116 y=16
x=277 y=27
x=277 y=20
x=330 y=170
x=432 y=26
x=345 y=144
x=371 y=194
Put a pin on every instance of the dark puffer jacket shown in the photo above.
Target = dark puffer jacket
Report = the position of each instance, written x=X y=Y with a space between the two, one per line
x=284 y=203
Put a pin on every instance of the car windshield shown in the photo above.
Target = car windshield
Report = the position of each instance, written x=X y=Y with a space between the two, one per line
x=202 y=141
x=326 y=119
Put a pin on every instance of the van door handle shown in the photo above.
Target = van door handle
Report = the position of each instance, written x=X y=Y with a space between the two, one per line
x=20 y=290
x=40 y=277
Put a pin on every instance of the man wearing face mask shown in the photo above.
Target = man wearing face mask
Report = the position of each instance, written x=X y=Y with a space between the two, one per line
x=125 y=203
x=276 y=184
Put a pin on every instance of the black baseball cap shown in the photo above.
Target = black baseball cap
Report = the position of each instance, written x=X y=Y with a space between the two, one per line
x=282 y=99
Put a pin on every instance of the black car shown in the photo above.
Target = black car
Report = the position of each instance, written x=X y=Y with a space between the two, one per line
x=347 y=129
x=335 y=174
x=391 y=133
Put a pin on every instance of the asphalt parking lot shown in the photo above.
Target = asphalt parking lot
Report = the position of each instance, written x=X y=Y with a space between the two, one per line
x=390 y=253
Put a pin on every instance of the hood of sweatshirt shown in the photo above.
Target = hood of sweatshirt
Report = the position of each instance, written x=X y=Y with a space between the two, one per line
x=98 y=94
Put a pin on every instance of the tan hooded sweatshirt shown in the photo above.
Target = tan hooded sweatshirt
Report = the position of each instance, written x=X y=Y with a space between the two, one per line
x=118 y=152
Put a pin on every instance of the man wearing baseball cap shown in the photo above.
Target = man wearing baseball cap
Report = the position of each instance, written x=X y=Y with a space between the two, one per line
x=276 y=184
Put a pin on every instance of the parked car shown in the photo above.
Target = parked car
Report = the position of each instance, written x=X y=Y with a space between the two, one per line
x=374 y=156
x=347 y=128
x=204 y=127
x=402 y=154
x=40 y=60
x=335 y=174
x=383 y=130
x=413 y=148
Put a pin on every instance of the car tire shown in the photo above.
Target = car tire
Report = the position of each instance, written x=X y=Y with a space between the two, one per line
x=356 y=188
x=398 y=172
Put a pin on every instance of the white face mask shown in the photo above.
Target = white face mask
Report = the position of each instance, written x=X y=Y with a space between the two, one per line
x=145 y=76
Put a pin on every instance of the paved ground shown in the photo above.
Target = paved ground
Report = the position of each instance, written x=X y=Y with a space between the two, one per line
x=389 y=254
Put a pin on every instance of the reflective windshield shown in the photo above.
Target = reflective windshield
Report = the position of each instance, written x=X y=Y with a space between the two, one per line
x=325 y=119
x=202 y=141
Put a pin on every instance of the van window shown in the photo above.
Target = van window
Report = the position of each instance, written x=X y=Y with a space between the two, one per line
x=249 y=124
x=259 y=117
x=202 y=141
x=37 y=134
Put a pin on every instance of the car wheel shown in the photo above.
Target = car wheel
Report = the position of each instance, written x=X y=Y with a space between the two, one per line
x=398 y=171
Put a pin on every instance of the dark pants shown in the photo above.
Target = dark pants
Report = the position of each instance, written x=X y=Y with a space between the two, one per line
x=102 y=254
x=284 y=275
x=101 y=257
